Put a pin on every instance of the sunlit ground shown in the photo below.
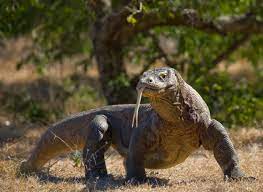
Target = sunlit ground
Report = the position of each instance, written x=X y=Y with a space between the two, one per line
x=199 y=172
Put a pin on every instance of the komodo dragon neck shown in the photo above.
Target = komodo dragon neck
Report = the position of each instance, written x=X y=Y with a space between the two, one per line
x=170 y=106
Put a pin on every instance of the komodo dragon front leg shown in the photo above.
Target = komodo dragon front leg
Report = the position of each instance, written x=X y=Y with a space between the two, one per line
x=135 y=160
x=97 y=143
x=216 y=138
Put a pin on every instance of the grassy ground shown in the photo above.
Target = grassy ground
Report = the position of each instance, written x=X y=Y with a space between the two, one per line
x=199 y=172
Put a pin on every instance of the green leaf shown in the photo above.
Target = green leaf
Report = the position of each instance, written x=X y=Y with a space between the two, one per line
x=131 y=19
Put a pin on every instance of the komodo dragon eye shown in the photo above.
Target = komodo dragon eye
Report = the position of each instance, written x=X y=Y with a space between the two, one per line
x=162 y=75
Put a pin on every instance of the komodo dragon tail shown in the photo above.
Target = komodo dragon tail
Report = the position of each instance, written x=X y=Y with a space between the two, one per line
x=63 y=137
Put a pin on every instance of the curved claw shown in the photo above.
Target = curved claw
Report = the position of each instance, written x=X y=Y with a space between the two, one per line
x=135 y=181
x=241 y=178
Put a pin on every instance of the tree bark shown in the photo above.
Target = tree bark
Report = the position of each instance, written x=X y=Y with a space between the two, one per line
x=111 y=68
x=107 y=44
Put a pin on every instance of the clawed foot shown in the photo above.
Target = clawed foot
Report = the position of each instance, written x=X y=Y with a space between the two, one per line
x=152 y=181
x=240 y=178
x=25 y=169
x=237 y=175
x=135 y=181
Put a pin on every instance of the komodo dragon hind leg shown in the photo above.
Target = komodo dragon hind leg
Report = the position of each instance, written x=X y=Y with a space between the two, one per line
x=96 y=145
x=216 y=138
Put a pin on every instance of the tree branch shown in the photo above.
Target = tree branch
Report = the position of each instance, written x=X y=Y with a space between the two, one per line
x=112 y=31
x=118 y=4
x=246 y=23
x=234 y=46
x=160 y=49
x=119 y=31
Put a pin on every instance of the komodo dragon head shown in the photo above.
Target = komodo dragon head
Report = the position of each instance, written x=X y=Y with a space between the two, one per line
x=157 y=82
x=159 y=85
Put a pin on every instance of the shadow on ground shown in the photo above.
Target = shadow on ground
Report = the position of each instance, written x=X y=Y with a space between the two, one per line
x=105 y=183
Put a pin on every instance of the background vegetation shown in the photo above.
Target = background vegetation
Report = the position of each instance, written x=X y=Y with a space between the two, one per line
x=201 y=39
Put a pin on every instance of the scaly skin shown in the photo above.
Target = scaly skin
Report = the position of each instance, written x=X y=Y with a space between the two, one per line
x=71 y=134
x=175 y=123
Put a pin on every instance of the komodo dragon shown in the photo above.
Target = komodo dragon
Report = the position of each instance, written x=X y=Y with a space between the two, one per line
x=175 y=123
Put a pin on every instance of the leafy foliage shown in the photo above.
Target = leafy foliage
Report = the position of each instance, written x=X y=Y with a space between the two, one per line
x=26 y=108
x=82 y=98
x=76 y=158
x=233 y=103
x=58 y=29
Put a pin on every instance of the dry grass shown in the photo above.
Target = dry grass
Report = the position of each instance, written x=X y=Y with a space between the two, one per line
x=199 y=172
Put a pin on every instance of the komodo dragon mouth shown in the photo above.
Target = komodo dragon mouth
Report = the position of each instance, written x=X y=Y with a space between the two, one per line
x=137 y=106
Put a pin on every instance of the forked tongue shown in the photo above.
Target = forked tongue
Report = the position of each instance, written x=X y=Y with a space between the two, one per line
x=136 y=110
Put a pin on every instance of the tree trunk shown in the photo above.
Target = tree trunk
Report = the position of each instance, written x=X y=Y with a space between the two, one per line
x=113 y=77
x=109 y=55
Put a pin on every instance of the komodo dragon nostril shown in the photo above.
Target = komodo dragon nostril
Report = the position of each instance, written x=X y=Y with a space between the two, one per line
x=149 y=80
